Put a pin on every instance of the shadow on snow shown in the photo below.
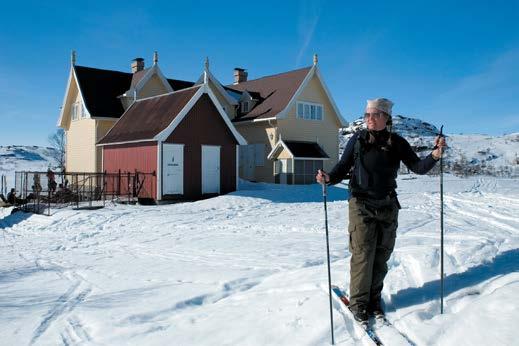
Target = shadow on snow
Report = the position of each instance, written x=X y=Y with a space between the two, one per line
x=504 y=263
x=13 y=219
x=291 y=193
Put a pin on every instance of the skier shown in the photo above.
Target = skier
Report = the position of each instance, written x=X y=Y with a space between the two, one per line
x=373 y=156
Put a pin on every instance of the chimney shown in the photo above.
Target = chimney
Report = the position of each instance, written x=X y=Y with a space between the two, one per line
x=137 y=65
x=240 y=75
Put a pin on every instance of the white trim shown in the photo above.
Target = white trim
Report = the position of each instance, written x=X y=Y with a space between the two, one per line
x=159 y=171
x=183 y=163
x=224 y=116
x=221 y=89
x=315 y=104
x=237 y=167
x=278 y=144
x=125 y=142
x=102 y=160
x=147 y=76
x=253 y=121
x=65 y=98
x=283 y=144
x=62 y=111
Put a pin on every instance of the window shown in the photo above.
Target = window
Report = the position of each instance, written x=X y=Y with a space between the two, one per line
x=245 y=107
x=74 y=111
x=305 y=171
x=309 y=111
x=83 y=111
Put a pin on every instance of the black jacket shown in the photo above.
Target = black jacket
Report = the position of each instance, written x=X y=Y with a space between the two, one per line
x=375 y=165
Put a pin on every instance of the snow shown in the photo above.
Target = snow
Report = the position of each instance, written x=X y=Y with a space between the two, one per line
x=14 y=158
x=249 y=268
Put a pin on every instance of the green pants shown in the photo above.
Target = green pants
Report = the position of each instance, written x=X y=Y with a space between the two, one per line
x=372 y=230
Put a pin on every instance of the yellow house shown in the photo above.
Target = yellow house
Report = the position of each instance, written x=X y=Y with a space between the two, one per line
x=95 y=99
x=291 y=123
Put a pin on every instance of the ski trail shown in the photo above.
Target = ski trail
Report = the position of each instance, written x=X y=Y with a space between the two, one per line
x=64 y=304
x=75 y=295
x=228 y=289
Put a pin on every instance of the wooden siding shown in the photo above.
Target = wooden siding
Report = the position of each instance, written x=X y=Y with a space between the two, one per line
x=81 y=150
x=203 y=125
x=153 y=87
x=140 y=157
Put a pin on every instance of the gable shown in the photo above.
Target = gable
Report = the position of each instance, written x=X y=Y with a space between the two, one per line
x=154 y=86
x=314 y=92
x=203 y=124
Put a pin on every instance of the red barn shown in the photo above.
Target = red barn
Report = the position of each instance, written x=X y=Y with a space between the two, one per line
x=184 y=136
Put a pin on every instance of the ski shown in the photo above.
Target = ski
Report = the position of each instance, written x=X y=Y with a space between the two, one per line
x=379 y=328
x=365 y=326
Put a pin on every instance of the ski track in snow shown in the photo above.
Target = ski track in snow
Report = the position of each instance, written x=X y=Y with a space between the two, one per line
x=249 y=268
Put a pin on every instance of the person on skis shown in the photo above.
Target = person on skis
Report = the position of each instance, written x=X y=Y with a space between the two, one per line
x=373 y=157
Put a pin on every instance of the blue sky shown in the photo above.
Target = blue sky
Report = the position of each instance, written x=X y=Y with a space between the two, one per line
x=453 y=62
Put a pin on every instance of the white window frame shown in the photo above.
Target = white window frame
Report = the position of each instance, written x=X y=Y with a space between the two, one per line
x=309 y=111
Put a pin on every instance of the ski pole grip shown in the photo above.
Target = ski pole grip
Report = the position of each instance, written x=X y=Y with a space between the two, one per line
x=439 y=135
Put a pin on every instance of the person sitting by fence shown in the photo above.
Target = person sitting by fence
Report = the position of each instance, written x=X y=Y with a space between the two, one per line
x=13 y=200
x=51 y=179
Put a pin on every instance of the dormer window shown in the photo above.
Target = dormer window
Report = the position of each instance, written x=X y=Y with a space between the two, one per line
x=74 y=111
x=309 y=111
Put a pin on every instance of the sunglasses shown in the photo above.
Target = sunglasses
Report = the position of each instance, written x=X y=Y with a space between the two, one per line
x=374 y=115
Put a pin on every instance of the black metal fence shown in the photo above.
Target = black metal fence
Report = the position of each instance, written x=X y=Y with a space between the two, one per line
x=39 y=192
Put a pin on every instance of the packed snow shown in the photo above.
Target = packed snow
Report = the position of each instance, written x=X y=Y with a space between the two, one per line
x=249 y=268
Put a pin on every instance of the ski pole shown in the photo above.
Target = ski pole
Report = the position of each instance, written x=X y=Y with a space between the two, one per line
x=328 y=260
x=441 y=224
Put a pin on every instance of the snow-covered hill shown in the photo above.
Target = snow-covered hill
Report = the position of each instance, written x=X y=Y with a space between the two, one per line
x=467 y=154
x=15 y=158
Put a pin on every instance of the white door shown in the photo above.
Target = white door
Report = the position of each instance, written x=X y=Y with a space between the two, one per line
x=210 y=169
x=172 y=169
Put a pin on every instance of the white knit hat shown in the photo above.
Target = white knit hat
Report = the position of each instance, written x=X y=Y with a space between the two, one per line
x=382 y=104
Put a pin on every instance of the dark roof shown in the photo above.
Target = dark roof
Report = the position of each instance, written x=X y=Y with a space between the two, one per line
x=306 y=149
x=148 y=117
x=177 y=84
x=275 y=92
x=101 y=88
